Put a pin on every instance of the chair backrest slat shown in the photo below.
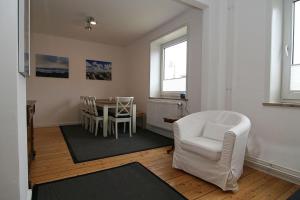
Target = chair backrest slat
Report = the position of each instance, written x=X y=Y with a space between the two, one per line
x=93 y=106
x=124 y=106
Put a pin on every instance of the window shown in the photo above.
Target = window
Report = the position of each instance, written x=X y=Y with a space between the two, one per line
x=174 y=67
x=291 y=53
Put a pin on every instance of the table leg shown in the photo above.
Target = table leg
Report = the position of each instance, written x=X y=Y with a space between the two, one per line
x=105 y=120
x=134 y=118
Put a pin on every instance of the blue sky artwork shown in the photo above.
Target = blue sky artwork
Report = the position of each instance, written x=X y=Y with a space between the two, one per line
x=98 y=70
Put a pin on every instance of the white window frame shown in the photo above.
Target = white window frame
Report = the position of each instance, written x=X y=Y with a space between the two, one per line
x=288 y=27
x=162 y=66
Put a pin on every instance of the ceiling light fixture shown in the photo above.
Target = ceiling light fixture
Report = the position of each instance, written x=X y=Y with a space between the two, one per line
x=90 y=21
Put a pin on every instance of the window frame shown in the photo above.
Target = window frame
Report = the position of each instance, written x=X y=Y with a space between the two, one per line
x=287 y=51
x=162 y=66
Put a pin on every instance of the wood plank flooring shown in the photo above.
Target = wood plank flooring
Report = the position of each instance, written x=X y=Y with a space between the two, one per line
x=53 y=162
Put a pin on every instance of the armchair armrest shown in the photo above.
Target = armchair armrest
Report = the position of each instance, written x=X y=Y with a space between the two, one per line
x=234 y=146
x=189 y=126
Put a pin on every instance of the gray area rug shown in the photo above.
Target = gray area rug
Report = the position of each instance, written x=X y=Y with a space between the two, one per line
x=84 y=146
x=132 y=181
x=295 y=196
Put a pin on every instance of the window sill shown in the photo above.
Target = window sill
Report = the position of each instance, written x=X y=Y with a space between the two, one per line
x=283 y=104
x=167 y=98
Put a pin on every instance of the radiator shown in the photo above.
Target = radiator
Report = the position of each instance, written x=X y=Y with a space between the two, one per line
x=157 y=110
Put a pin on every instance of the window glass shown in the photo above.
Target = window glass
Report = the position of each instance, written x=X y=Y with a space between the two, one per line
x=174 y=67
x=296 y=53
x=295 y=68
x=295 y=78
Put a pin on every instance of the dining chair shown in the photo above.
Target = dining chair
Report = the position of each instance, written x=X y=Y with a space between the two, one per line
x=82 y=110
x=85 y=112
x=122 y=114
x=95 y=118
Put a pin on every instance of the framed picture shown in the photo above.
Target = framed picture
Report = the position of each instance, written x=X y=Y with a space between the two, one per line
x=98 y=70
x=24 y=37
x=52 y=66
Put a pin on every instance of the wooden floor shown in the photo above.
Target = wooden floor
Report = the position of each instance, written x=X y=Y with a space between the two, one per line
x=53 y=162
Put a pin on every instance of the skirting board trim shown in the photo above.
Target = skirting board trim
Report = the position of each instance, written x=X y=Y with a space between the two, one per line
x=160 y=131
x=29 y=194
x=46 y=125
x=274 y=170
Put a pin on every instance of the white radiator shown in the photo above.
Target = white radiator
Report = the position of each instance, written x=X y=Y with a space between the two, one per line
x=157 y=110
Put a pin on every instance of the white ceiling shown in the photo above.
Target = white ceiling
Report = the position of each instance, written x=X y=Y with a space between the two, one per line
x=120 y=22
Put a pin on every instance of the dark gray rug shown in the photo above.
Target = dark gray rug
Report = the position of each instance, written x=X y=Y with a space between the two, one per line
x=84 y=146
x=295 y=196
x=132 y=181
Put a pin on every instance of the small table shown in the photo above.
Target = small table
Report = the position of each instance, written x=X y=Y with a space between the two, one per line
x=105 y=104
x=169 y=120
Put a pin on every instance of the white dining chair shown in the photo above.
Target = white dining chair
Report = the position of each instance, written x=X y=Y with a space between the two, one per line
x=122 y=114
x=82 y=110
x=85 y=112
x=95 y=118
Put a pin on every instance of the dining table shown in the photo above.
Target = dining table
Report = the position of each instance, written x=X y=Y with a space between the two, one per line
x=107 y=104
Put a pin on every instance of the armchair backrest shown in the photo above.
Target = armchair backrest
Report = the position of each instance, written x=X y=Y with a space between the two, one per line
x=219 y=122
x=211 y=124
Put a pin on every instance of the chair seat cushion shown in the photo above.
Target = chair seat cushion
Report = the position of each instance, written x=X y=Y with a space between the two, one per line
x=114 y=115
x=205 y=147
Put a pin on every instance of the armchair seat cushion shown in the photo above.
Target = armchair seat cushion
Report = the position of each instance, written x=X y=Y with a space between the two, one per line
x=208 y=148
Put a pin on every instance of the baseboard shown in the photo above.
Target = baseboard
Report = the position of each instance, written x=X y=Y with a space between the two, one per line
x=46 y=125
x=160 y=131
x=29 y=194
x=274 y=170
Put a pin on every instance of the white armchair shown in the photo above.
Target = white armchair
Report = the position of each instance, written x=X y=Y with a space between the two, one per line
x=211 y=145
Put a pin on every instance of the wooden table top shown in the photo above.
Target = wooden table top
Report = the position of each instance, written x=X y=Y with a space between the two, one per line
x=106 y=102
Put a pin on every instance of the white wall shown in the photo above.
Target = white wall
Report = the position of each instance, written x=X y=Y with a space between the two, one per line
x=138 y=55
x=275 y=132
x=235 y=75
x=13 y=139
x=57 y=98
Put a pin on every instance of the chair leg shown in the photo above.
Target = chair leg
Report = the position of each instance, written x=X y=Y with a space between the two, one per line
x=109 y=127
x=116 y=130
x=124 y=127
x=91 y=125
x=86 y=123
x=82 y=119
x=96 y=127
x=130 y=134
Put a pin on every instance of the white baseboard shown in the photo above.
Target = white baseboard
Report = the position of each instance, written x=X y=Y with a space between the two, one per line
x=274 y=170
x=29 y=194
x=45 y=125
x=160 y=131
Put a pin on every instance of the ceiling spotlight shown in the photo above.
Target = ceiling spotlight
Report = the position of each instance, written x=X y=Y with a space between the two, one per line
x=90 y=21
x=93 y=22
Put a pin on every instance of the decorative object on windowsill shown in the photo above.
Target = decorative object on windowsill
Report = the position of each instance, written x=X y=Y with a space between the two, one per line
x=52 y=66
x=182 y=96
x=98 y=70
x=90 y=22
